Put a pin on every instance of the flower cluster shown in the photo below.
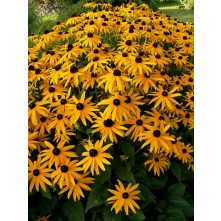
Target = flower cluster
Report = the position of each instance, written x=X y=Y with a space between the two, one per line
x=108 y=75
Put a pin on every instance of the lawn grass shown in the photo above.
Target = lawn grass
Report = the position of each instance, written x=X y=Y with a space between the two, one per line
x=172 y=9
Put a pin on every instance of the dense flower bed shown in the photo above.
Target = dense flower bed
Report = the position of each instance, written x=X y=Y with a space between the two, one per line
x=111 y=110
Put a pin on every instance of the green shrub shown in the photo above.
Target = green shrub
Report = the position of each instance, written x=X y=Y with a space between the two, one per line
x=188 y=4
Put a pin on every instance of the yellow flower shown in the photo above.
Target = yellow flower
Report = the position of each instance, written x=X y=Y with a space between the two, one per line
x=164 y=98
x=124 y=198
x=67 y=173
x=57 y=154
x=76 y=190
x=156 y=137
x=82 y=108
x=108 y=128
x=95 y=157
x=158 y=162
x=38 y=174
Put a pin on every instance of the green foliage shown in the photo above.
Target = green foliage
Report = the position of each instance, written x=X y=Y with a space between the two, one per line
x=74 y=210
x=188 y=4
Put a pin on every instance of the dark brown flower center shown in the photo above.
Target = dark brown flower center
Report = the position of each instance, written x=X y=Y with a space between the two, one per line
x=95 y=58
x=51 y=89
x=117 y=72
x=93 y=75
x=124 y=54
x=184 y=37
x=38 y=71
x=178 y=106
x=108 y=123
x=43 y=119
x=91 y=22
x=56 y=151
x=146 y=75
x=139 y=122
x=64 y=169
x=63 y=101
x=32 y=105
x=80 y=106
x=156 y=133
x=165 y=93
x=36 y=172
x=192 y=98
x=90 y=35
x=138 y=59
x=125 y=195
x=156 y=159
x=59 y=116
x=128 y=100
x=174 y=141
x=155 y=44
x=187 y=115
x=52 y=53
x=116 y=102
x=180 y=57
x=190 y=79
x=128 y=42
x=58 y=67
x=96 y=51
x=184 y=150
x=177 y=82
x=73 y=69
x=161 y=118
x=31 y=68
x=93 y=153
x=157 y=56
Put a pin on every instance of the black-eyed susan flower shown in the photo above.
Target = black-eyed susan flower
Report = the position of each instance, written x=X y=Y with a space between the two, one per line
x=90 y=40
x=137 y=127
x=42 y=125
x=57 y=154
x=116 y=109
x=133 y=100
x=174 y=146
x=95 y=157
x=139 y=65
x=185 y=153
x=145 y=82
x=35 y=110
x=114 y=80
x=108 y=128
x=156 y=137
x=52 y=92
x=38 y=175
x=164 y=98
x=124 y=198
x=60 y=122
x=80 y=184
x=158 y=162
x=121 y=58
x=82 y=109
x=128 y=46
x=71 y=75
x=32 y=142
x=66 y=173
x=190 y=99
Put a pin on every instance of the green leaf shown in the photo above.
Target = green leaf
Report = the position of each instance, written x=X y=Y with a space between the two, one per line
x=103 y=177
x=46 y=205
x=146 y=194
x=128 y=150
x=176 y=190
x=74 y=210
x=176 y=170
x=88 y=130
x=178 y=201
x=123 y=174
x=46 y=194
x=138 y=216
x=156 y=183
x=109 y=215
x=162 y=217
x=94 y=198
